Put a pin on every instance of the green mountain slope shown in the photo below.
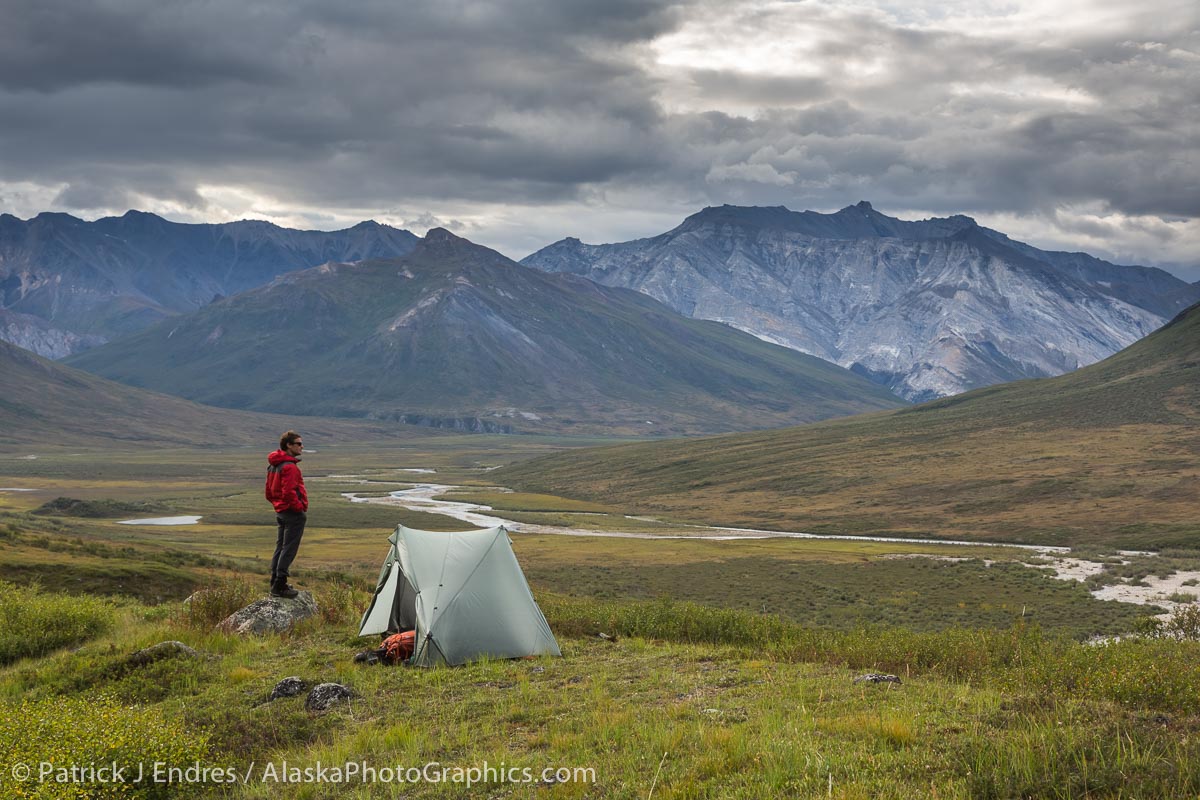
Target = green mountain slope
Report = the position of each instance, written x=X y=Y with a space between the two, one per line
x=1109 y=454
x=46 y=404
x=456 y=335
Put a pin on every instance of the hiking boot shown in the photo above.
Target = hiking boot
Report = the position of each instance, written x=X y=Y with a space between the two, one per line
x=369 y=657
x=281 y=589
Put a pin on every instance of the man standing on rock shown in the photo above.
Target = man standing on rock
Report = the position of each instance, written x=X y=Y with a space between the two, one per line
x=285 y=490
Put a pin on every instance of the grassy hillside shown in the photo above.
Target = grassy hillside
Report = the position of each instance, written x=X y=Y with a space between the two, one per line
x=46 y=404
x=679 y=702
x=1105 y=455
x=747 y=692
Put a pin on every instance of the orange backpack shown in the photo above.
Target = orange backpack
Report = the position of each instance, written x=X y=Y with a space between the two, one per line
x=399 y=647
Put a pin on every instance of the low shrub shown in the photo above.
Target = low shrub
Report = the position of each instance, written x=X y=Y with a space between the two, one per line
x=96 y=731
x=34 y=622
x=1183 y=625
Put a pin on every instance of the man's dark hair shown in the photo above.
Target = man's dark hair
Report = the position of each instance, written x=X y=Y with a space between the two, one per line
x=288 y=438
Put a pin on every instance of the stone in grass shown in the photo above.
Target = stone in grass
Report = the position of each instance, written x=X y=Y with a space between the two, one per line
x=288 y=687
x=270 y=615
x=876 y=677
x=325 y=695
x=160 y=651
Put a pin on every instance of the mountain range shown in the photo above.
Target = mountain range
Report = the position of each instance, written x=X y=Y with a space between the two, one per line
x=1105 y=456
x=67 y=284
x=928 y=308
x=456 y=335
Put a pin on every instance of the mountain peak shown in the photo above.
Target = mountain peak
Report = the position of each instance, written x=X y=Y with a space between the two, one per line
x=440 y=243
x=441 y=235
x=863 y=205
x=56 y=216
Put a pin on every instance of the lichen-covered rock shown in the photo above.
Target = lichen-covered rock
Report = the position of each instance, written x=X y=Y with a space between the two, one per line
x=158 y=652
x=325 y=696
x=270 y=615
x=876 y=677
x=288 y=687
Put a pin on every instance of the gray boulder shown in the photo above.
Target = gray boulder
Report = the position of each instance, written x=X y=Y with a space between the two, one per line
x=288 y=687
x=325 y=696
x=270 y=615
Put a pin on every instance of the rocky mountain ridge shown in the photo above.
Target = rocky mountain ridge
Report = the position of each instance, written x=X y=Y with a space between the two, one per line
x=928 y=308
x=85 y=282
x=456 y=335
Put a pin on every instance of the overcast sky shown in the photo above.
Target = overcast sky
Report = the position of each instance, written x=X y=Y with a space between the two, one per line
x=1070 y=124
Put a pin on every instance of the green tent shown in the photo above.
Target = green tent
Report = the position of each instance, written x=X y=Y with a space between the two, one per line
x=464 y=594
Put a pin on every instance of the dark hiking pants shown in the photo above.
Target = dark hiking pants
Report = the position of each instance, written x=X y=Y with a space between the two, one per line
x=287 y=543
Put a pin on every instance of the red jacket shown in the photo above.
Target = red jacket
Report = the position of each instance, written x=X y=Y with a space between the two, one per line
x=285 y=484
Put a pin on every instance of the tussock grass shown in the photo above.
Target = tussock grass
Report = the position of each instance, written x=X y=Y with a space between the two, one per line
x=1147 y=673
x=216 y=600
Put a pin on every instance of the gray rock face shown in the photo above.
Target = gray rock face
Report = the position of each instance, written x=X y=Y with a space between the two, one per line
x=288 y=687
x=39 y=336
x=929 y=308
x=325 y=696
x=270 y=615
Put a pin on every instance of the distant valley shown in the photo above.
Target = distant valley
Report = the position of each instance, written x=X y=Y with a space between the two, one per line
x=1108 y=456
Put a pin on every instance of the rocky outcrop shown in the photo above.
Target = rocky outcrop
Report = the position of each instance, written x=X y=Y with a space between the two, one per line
x=41 y=337
x=270 y=615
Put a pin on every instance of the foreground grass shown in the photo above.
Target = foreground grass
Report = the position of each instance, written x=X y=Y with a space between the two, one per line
x=681 y=700
x=688 y=701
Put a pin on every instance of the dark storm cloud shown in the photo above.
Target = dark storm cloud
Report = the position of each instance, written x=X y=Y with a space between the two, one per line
x=328 y=104
x=426 y=104
x=47 y=46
